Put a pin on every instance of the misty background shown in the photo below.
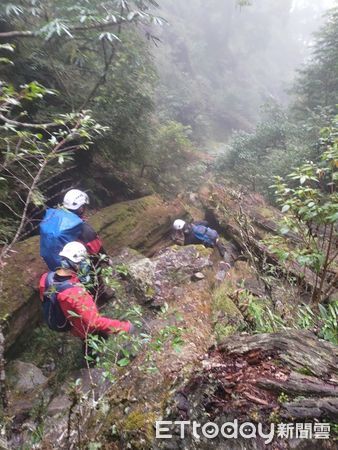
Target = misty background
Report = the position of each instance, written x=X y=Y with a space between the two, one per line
x=218 y=62
x=233 y=90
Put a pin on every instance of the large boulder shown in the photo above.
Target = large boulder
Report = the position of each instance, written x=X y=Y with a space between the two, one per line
x=25 y=376
x=26 y=387
x=141 y=224
x=19 y=304
x=156 y=280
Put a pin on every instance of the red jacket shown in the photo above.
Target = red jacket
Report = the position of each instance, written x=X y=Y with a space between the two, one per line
x=80 y=309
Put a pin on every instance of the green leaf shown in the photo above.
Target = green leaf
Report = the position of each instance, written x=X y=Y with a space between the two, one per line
x=285 y=208
x=8 y=47
x=109 y=36
x=13 y=9
x=38 y=198
x=334 y=217
x=323 y=311
x=284 y=230
x=73 y=314
x=123 y=362
x=6 y=61
x=131 y=15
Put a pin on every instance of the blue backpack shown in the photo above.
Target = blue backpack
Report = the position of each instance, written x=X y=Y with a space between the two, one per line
x=52 y=312
x=58 y=227
x=205 y=234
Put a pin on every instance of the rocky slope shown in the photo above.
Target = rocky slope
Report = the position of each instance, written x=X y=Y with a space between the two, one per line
x=141 y=224
x=196 y=359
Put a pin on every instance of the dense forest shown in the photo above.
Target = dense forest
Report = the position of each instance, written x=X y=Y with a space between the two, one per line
x=160 y=88
x=218 y=64
x=224 y=111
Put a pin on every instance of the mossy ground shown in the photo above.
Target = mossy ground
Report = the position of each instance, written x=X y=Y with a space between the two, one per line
x=227 y=318
x=141 y=422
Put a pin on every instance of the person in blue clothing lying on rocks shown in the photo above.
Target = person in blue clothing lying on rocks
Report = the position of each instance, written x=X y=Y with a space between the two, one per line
x=197 y=233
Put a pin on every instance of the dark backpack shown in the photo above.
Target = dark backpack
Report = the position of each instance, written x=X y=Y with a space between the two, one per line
x=205 y=234
x=52 y=312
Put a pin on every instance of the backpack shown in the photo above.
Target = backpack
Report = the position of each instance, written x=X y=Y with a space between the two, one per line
x=52 y=312
x=205 y=234
x=58 y=227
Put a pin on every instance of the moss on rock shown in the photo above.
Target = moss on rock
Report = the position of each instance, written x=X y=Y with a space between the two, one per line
x=19 y=303
x=141 y=224
x=140 y=421
x=227 y=318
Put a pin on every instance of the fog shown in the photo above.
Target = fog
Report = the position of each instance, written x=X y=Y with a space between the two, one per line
x=220 y=62
x=322 y=4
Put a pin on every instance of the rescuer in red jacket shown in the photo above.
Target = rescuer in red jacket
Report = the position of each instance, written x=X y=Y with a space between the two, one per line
x=76 y=304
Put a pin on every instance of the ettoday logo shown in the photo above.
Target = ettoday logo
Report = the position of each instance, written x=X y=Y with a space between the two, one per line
x=210 y=430
x=245 y=430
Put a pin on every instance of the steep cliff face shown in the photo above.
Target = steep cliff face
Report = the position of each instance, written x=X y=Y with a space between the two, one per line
x=249 y=221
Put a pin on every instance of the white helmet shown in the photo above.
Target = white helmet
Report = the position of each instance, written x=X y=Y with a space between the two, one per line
x=75 y=251
x=178 y=224
x=74 y=199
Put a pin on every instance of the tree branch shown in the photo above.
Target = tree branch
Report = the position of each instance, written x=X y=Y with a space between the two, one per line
x=3 y=392
x=13 y=34
x=101 y=79
x=94 y=26
x=7 y=248
x=11 y=209
x=27 y=125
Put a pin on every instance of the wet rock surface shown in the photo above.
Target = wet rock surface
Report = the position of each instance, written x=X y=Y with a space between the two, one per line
x=167 y=278
x=19 y=305
x=141 y=224
x=25 y=377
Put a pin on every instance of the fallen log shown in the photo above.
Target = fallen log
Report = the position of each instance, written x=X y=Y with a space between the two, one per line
x=267 y=384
